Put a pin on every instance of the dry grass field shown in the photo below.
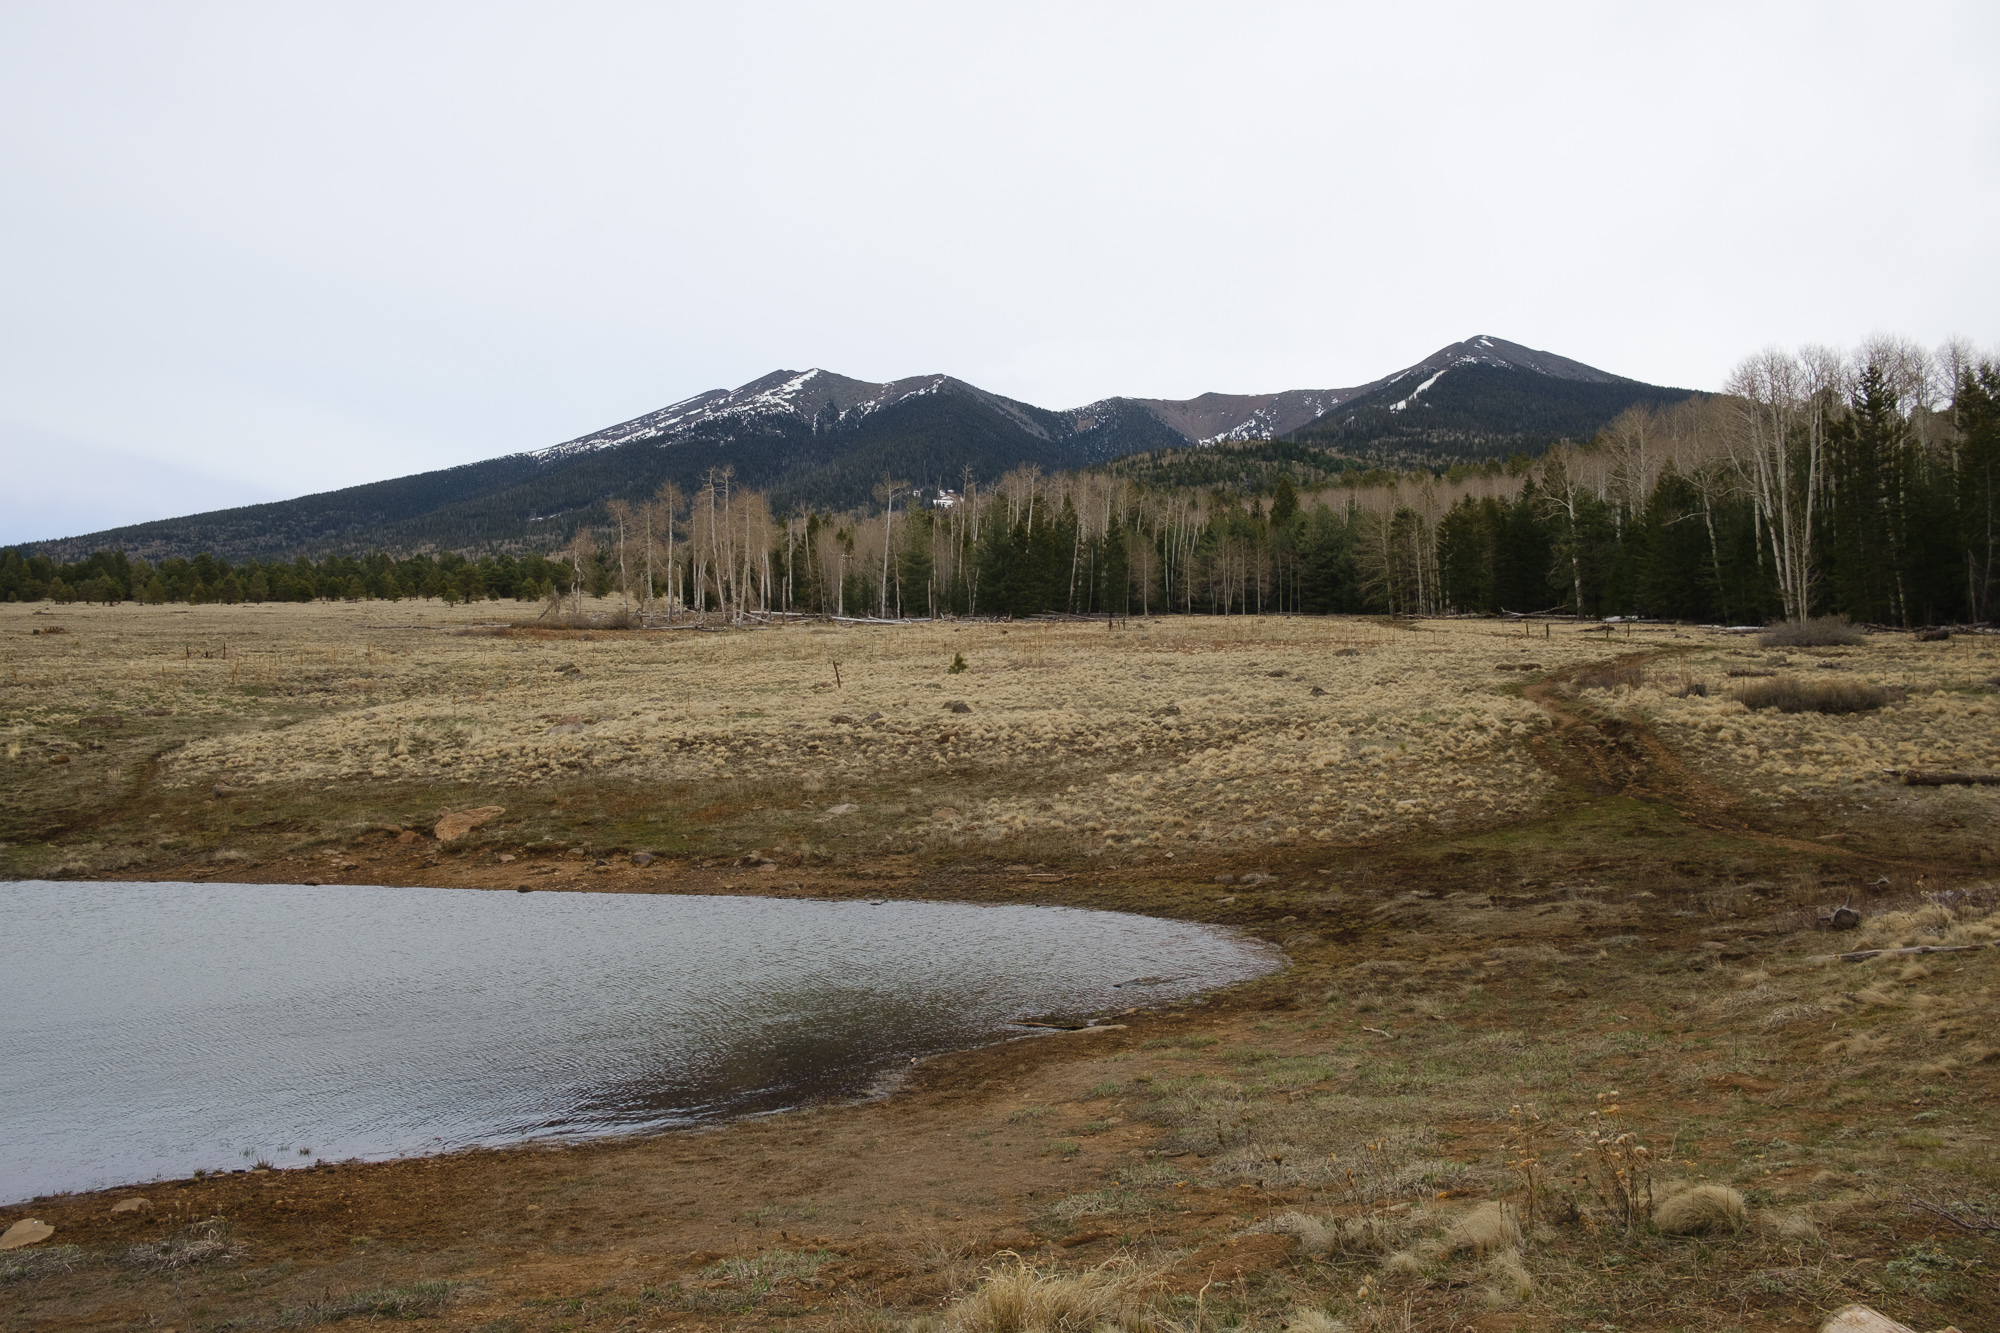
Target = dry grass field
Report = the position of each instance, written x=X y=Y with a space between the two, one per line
x=1556 y=923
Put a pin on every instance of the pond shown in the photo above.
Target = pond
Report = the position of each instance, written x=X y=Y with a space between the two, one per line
x=150 y=1030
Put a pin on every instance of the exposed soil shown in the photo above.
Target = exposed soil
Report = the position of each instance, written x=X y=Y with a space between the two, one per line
x=1649 y=934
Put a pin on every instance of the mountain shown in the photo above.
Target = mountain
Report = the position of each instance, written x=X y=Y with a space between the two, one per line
x=1481 y=398
x=814 y=438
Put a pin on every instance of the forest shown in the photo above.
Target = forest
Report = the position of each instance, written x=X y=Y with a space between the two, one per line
x=1864 y=484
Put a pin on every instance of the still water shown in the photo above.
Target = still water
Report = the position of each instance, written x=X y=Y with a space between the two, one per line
x=148 y=1030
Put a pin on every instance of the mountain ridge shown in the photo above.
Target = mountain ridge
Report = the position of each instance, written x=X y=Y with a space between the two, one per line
x=815 y=438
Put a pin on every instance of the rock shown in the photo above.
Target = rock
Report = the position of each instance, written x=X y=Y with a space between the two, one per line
x=505 y=857
x=59 y=758
x=872 y=717
x=844 y=808
x=957 y=706
x=27 y=1231
x=1862 y=1319
x=1225 y=879
x=131 y=1205
x=407 y=836
x=1257 y=877
x=643 y=858
x=458 y=823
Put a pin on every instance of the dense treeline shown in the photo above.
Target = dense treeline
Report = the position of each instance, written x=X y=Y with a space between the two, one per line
x=1866 y=485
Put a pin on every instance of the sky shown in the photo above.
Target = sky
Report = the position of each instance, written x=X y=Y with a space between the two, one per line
x=255 y=251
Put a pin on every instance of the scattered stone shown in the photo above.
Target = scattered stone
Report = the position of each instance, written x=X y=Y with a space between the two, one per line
x=1225 y=879
x=844 y=808
x=458 y=823
x=131 y=1205
x=505 y=857
x=408 y=836
x=643 y=858
x=957 y=706
x=1864 y=1319
x=1257 y=877
x=27 y=1231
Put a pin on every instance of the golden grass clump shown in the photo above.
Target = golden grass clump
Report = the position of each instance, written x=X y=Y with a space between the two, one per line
x=1314 y=1236
x=1702 y=1210
x=1021 y=1298
x=1508 y=1281
x=1486 y=1230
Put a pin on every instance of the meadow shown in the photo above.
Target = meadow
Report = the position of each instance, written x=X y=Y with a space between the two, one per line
x=1557 y=903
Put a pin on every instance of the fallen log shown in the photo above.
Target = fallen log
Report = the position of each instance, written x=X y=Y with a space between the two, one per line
x=1861 y=955
x=1917 y=777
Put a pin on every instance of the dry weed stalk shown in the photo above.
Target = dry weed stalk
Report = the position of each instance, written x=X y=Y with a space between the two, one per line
x=1616 y=1165
x=1532 y=1136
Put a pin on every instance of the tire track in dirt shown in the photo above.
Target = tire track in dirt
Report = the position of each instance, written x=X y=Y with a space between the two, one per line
x=1616 y=756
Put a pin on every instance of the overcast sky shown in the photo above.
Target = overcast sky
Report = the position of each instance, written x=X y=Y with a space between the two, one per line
x=248 y=252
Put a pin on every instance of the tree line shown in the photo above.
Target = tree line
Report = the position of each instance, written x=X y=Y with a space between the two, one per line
x=1863 y=483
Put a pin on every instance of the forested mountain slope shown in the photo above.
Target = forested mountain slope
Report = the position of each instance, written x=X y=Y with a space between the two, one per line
x=814 y=439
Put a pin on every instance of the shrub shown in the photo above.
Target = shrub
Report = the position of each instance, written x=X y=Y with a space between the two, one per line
x=1702 y=1209
x=1818 y=632
x=1788 y=694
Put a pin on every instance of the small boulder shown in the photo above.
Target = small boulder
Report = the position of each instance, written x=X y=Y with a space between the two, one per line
x=408 y=836
x=844 y=808
x=458 y=823
x=643 y=858
x=957 y=706
x=27 y=1231
x=134 y=1205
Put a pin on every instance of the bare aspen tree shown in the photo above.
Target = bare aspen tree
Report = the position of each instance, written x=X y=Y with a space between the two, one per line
x=583 y=551
x=621 y=515
x=1778 y=448
x=887 y=492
